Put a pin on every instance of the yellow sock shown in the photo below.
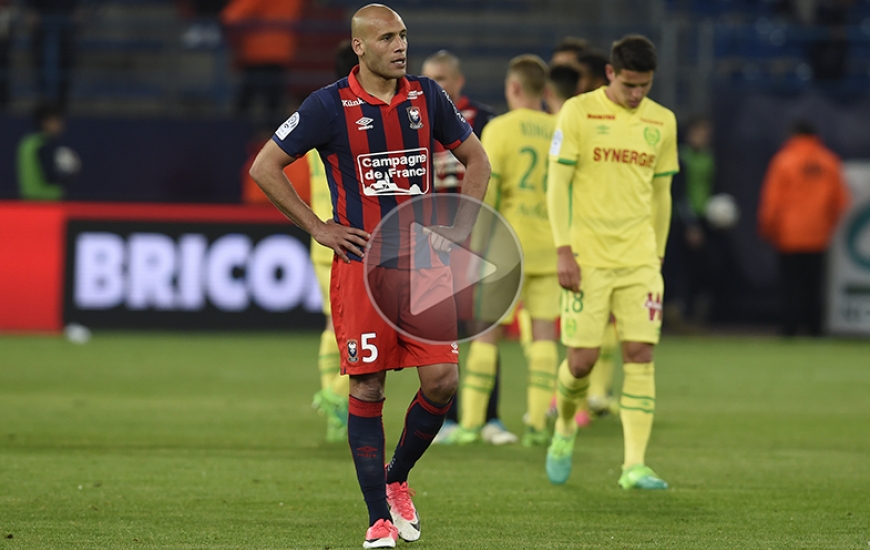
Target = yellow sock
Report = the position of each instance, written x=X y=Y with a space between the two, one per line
x=637 y=408
x=340 y=385
x=524 y=320
x=543 y=359
x=477 y=384
x=570 y=392
x=601 y=377
x=328 y=360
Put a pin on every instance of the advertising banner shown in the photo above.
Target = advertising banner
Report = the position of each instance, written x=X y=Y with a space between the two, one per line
x=849 y=260
x=189 y=275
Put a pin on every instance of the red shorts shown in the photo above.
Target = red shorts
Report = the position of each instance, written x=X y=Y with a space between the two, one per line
x=369 y=343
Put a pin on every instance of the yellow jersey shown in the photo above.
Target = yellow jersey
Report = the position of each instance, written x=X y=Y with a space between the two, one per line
x=517 y=144
x=623 y=161
x=321 y=204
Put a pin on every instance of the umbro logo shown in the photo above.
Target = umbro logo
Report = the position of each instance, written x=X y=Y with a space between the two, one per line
x=367 y=451
x=414 y=94
x=365 y=123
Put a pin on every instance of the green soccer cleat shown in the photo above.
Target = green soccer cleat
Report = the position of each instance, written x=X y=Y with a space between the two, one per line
x=641 y=477
x=462 y=436
x=336 y=432
x=559 y=456
x=334 y=408
x=535 y=438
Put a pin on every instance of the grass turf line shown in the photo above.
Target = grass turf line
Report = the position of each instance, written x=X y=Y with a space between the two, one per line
x=184 y=441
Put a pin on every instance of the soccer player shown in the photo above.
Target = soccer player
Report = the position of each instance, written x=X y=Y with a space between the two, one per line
x=379 y=113
x=331 y=400
x=562 y=82
x=613 y=155
x=593 y=70
x=445 y=68
x=567 y=52
x=517 y=144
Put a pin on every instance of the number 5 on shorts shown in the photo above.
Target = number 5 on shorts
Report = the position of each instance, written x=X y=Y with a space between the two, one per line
x=369 y=347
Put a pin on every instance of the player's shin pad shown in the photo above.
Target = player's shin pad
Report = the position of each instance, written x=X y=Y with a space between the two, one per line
x=543 y=359
x=570 y=392
x=477 y=384
x=637 y=407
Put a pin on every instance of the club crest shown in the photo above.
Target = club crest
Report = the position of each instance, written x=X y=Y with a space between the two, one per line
x=352 y=351
x=415 y=118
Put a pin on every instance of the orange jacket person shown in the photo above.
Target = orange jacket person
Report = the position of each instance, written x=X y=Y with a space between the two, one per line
x=802 y=200
x=263 y=40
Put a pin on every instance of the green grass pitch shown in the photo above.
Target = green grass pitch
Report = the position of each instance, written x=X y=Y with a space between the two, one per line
x=189 y=441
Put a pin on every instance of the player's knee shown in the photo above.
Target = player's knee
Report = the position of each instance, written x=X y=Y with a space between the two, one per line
x=366 y=388
x=581 y=361
x=441 y=389
x=637 y=352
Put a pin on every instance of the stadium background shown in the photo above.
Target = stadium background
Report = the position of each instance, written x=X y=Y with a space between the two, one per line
x=150 y=107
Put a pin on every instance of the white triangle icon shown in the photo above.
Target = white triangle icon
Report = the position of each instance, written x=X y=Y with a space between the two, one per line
x=478 y=268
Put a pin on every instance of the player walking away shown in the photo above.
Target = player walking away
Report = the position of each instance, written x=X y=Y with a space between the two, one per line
x=613 y=155
x=517 y=144
x=445 y=68
x=379 y=113
x=331 y=400
x=562 y=84
x=599 y=401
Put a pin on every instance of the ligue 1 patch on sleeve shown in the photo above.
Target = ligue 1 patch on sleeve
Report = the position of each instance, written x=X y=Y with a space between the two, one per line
x=289 y=125
x=556 y=144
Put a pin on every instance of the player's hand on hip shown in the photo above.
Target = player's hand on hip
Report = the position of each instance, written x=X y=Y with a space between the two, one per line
x=568 y=270
x=442 y=237
x=342 y=239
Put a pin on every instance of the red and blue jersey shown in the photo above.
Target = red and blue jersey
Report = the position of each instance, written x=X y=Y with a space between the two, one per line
x=377 y=155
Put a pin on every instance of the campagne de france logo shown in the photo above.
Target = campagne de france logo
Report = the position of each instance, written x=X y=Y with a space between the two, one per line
x=404 y=172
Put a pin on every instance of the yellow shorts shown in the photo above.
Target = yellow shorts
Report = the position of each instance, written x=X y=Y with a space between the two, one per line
x=633 y=294
x=323 y=273
x=540 y=297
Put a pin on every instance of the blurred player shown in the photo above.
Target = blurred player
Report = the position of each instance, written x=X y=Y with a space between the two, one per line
x=445 y=68
x=593 y=70
x=378 y=111
x=331 y=400
x=613 y=156
x=568 y=51
x=517 y=144
x=562 y=82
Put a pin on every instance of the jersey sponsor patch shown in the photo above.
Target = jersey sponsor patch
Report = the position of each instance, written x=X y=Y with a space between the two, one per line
x=289 y=125
x=556 y=144
x=404 y=172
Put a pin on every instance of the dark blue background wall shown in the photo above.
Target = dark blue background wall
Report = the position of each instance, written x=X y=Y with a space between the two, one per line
x=143 y=159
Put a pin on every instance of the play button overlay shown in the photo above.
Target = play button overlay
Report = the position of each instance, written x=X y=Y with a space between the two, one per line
x=432 y=280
